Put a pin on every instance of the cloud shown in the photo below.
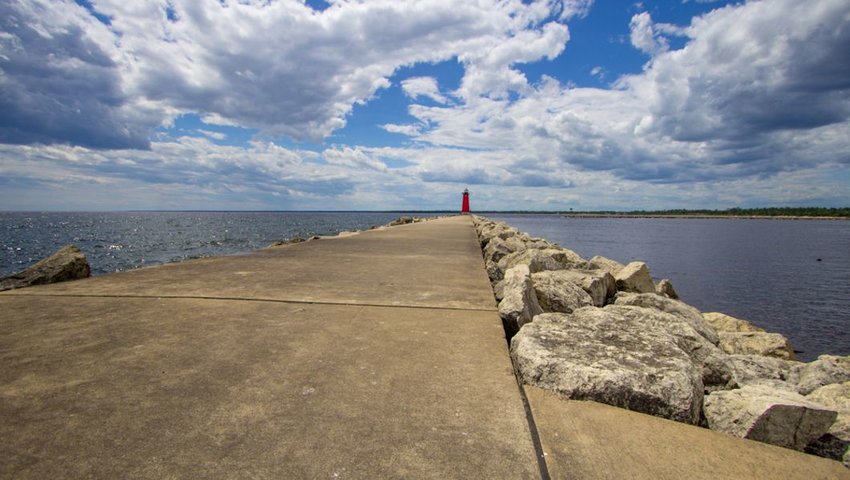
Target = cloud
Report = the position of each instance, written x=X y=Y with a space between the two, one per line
x=279 y=67
x=649 y=37
x=758 y=90
x=60 y=80
x=416 y=87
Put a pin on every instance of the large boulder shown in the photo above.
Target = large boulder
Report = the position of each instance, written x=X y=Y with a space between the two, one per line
x=610 y=355
x=540 y=260
x=496 y=249
x=756 y=343
x=754 y=369
x=674 y=307
x=769 y=415
x=68 y=263
x=519 y=302
x=599 y=285
x=826 y=370
x=726 y=323
x=635 y=277
x=835 y=444
x=605 y=264
x=556 y=294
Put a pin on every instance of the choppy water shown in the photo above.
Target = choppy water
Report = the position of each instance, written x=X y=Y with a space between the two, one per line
x=124 y=240
x=764 y=271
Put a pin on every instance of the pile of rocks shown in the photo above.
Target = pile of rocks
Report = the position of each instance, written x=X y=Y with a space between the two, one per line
x=600 y=330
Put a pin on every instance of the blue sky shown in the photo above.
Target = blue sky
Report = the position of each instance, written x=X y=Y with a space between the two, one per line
x=386 y=104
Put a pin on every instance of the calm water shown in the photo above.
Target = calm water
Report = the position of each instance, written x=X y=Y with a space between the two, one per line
x=121 y=241
x=765 y=271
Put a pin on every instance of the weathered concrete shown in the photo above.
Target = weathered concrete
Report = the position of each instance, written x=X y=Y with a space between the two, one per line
x=588 y=441
x=399 y=369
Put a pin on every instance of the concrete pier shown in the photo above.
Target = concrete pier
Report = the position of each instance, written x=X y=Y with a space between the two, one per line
x=378 y=355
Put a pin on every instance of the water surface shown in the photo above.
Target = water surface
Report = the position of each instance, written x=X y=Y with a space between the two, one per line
x=786 y=276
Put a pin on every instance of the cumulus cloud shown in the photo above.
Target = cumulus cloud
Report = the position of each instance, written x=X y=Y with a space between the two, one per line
x=649 y=37
x=60 y=80
x=280 y=67
x=758 y=89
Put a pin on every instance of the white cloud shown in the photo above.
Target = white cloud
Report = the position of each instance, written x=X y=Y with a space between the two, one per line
x=649 y=37
x=759 y=90
x=278 y=66
x=415 y=87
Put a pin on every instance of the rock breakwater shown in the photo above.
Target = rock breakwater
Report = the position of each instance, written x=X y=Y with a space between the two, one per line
x=600 y=330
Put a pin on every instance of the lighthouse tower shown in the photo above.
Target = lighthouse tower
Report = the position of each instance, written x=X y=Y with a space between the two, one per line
x=464 y=209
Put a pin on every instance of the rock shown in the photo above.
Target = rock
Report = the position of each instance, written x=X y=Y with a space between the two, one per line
x=540 y=260
x=826 y=370
x=675 y=307
x=556 y=294
x=635 y=277
x=756 y=343
x=605 y=264
x=519 y=304
x=493 y=271
x=752 y=369
x=403 y=220
x=768 y=415
x=606 y=355
x=725 y=323
x=599 y=285
x=835 y=444
x=67 y=263
x=499 y=290
x=496 y=249
x=665 y=289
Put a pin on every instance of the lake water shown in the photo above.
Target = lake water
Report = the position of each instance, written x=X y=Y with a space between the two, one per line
x=124 y=240
x=764 y=271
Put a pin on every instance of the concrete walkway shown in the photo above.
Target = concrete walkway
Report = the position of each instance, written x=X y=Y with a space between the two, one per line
x=379 y=355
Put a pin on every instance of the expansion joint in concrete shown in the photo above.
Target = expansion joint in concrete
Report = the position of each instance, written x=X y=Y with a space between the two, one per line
x=264 y=300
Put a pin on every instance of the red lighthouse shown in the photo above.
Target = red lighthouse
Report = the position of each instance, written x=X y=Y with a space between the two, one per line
x=464 y=209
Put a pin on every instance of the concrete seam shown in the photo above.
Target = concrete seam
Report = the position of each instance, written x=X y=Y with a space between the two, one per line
x=535 y=434
x=241 y=299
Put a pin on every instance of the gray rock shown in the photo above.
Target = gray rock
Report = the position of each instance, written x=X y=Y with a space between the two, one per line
x=540 y=260
x=67 y=263
x=609 y=355
x=556 y=294
x=496 y=249
x=768 y=415
x=826 y=370
x=493 y=271
x=675 y=307
x=519 y=304
x=726 y=323
x=756 y=343
x=665 y=289
x=635 y=277
x=598 y=284
x=835 y=444
x=748 y=369
x=605 y=264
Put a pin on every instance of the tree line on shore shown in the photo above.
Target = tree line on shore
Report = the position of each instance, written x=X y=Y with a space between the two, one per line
x=740 y=212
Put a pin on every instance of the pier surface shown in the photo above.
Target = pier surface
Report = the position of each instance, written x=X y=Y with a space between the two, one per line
x=377 y=355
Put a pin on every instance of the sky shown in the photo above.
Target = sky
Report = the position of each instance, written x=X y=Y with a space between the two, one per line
x=403 y=104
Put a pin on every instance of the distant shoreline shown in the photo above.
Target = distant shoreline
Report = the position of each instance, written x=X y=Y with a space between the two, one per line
x=699 y=216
